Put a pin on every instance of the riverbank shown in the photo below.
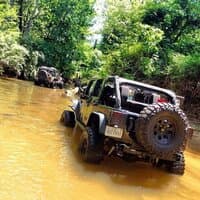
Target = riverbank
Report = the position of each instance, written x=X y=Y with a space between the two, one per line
x=194 y=143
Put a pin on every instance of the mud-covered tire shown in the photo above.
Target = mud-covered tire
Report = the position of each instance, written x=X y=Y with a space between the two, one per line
x=47 y=84
x=159 y=139
x=177 y=166
x=44 y=77
x=52 y=85
x=67 y=118
x=36 y=82
x=60 y=85
x=90 y=148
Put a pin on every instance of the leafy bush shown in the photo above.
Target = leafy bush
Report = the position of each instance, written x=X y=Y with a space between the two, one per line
x=153 y=39
x=184 y=66
x=11 y=52
x=130 y=47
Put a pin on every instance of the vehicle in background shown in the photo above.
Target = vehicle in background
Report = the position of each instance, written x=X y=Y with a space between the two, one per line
x=49 y=77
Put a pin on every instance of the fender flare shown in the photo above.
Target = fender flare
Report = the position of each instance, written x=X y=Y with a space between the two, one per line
x=76 y=106
x=100 y=119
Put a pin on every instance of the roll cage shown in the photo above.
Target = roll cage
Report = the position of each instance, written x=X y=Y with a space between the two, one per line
x=53 y=71
x=111 y=92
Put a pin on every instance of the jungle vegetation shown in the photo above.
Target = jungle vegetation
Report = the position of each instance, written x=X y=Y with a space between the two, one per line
x=153 y=40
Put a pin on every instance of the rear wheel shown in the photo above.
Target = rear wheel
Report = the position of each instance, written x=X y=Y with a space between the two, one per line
x=177 y=166
x=90 y=148
x=43 y=77
x=60 y=85
x=36 y=82
x=52 y=85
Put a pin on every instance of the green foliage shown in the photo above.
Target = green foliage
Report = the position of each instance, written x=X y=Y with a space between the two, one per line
x=8 y=18
x=140 y=39
x=58 y=31
x=188 y=43
x=90 y=61
x=174 y=17
x=54 y=32
x=180 y=22
x=153 y=39
x=11 y=52
x=185 y=66
x=131 y=48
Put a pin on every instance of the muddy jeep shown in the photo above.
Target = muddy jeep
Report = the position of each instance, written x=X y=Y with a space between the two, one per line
x=49 y=77
x=131 y=120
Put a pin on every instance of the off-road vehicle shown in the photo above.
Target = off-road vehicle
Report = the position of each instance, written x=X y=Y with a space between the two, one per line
x=49 y=77
x=131 y=120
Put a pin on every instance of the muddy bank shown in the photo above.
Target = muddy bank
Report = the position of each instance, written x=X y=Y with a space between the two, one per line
x=194 y=143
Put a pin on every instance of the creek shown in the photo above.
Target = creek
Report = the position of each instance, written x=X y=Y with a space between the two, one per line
x=37 y=161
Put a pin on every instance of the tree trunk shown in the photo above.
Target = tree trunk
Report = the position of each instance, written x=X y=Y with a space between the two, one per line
x=20 y=15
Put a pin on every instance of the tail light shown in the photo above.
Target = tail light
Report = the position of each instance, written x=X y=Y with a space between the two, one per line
x=118 y=119
x=162 y=100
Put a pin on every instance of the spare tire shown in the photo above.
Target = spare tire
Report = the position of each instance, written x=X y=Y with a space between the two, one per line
x=161 y=129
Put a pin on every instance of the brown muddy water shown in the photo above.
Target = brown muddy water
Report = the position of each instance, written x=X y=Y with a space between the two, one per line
x=36 y=159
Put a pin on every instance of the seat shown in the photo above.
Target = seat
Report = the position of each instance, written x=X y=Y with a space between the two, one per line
x=108 y=96
x=139 y=96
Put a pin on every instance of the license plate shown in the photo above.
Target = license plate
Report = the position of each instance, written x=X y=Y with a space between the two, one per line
x=113 y=132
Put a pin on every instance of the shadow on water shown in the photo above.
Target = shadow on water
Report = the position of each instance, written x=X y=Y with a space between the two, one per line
x=119 y=171
x=133 y=174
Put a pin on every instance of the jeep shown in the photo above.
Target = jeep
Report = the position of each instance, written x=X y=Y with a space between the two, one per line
x=49 y=77
x=131 y=120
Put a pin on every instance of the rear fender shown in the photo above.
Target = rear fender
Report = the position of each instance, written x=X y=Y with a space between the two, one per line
x=97 y=121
